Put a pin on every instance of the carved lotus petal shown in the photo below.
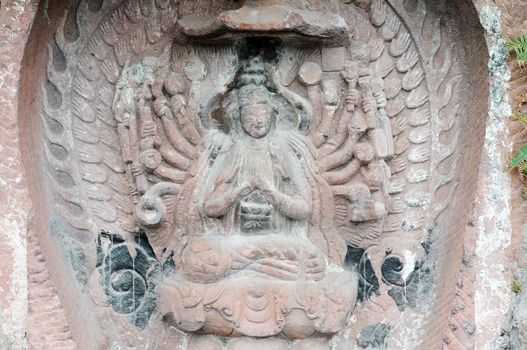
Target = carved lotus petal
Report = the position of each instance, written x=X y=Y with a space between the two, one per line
x=104 y=211
x=397 y=165
x=105 y=115
x=153 y=31
x=376 y=49
x=117 y=184
x=133 y=10
x=86 y=134
x=419 y=135
x=408 y=60
x=98 y=192
x=395 y=106
x=378 y=12
x=399 y=125
x=400 y=44
x=83 y=111
x=109 y=138
x=168 y=19
x=390 y=28
x=108 y=32
x=384 y=65
x=110 y=70
x=138 y=40
x=412 y=79
x=162 y=4
x=112 y=159
x=76 y=222
x=98 y=47
x=416 y=198
x=126 y=226
x=123 y=203
x=120 y=22
x=92 y=173
x=397 y=185
x=417 y=98
x=392 y=86
x=417 y=176
x=419 y=154
x=82 y=87
x=402 y=144
x=89 y=153
x=105 y=95
x=147 y=6
x=121 y=52
x=89 y=66
x=418 y=117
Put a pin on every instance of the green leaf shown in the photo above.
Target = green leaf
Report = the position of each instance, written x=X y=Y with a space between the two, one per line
x=520 y=118
x=520 y=159
x=522 y=57
x=519 y=48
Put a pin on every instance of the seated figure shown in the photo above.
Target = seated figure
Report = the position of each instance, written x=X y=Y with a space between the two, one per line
x=268 y=260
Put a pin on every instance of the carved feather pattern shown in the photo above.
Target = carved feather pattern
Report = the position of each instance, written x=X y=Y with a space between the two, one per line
x=430 y=92
x=407 y=100
x=98 y=186
x=411 y=109
x=86 y=171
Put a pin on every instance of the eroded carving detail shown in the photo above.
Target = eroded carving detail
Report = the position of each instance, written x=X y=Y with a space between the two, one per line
x=128 y=281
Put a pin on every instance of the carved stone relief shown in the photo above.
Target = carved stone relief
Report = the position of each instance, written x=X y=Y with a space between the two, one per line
x=263 y=174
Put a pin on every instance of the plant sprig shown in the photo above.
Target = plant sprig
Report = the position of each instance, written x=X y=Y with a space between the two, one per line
x=519 y=48
x=520 y=161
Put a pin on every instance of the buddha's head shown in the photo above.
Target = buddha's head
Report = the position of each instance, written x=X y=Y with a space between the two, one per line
x=254 y=100
x=256 y=113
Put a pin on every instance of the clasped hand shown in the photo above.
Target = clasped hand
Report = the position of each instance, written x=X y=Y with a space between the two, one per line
x=258 y=185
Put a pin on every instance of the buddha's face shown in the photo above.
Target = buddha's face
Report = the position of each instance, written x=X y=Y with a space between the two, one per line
x=256 y=119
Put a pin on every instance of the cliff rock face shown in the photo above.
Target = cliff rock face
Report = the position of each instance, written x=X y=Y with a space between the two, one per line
x=271 y=174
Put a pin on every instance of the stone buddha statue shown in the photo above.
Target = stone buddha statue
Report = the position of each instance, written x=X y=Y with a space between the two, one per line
x=267 y=261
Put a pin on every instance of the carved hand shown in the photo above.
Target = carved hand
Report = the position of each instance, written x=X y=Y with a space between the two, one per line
x=220 y=201
x=178 y=104
x=266 y=190
x=241 y=191
x=140 y=101
x=276 y=261
x=282 y=269
x=205 y=263
x=369 y=105
x=148 y=128
x=161 y=106
x=352 y=99
x=314 y=266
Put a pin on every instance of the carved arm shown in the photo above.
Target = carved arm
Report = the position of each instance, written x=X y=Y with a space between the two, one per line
x=179 y=142
x=293 y=208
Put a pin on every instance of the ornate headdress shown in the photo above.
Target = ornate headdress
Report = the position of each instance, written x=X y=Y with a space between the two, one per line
x=251 y=87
